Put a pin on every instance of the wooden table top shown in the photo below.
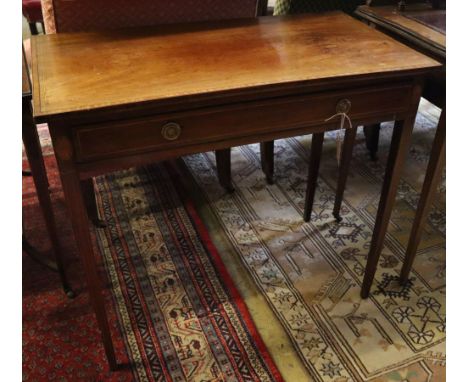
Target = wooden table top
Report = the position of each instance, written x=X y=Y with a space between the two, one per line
x=90 y=71
x=406 y=22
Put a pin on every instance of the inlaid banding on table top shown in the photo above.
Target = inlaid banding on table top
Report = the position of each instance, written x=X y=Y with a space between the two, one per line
x=84 y=71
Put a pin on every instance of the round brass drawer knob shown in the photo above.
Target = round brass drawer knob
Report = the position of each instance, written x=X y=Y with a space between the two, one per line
x=171 y=131
x=343 y=106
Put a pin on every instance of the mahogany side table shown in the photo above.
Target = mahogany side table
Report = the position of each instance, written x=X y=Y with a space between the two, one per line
x=127 y=103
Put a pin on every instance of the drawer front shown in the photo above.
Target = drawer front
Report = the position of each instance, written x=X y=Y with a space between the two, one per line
x=240 y=120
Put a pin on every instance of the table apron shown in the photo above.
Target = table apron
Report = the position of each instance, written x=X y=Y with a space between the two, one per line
x=107 y=146
x=104 y=165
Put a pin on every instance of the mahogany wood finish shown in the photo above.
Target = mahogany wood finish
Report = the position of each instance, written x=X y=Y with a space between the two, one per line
x=104 y=71
x=32 y=147
x=274 y=77
x=103 y=140
x=314 y=165
x=65 y=17
x=423 y=29
x=223 y=166
x=406 y=27
x=79 y=218
x=267 y=153
x=427 y=37
x=372 y=134
x=87 y=187
x=431 y=180
x=400 y=144
x=401 y=140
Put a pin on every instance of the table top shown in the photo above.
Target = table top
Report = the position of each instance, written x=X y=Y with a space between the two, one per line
x=418 y=22
x=100 y=70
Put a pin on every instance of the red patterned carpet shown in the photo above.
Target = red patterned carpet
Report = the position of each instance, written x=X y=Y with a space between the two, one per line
x=174 y=312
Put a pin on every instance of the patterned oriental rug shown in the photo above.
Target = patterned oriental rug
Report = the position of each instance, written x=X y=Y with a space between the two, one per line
x=310 y=274
x=175 y=312
x=184 y=297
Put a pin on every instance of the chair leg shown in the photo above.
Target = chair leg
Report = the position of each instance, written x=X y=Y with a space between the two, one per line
x=346 y=156
x=314 y=164
x=267 y=150
x=433 y=175
x=33 y=28
x=223 y=165
x=87 y=187
x=372 y=133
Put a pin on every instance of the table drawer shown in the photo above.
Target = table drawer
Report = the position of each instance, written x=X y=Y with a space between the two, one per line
x=238 y=120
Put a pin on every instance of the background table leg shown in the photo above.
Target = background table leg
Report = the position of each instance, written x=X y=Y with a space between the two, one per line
x=372 y=134
x=400 y=144
x=87 y=187
x=345 y=161
x=267 y=153
x=314 y=164
x=223 y=166
x=431 y=180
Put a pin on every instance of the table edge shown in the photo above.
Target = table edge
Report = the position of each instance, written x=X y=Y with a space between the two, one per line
x=253 y=93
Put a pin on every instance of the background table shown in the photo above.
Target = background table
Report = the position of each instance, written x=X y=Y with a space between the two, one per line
x=423 y=28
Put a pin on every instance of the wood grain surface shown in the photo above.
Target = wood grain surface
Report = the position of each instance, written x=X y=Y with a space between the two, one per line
x=83 y=71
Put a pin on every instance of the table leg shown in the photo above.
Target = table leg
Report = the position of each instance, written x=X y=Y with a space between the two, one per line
x=33 y=150
x=33 y=28
x=314 y=164
x=223 y=166
x=372 y=133
x=267 y=152
x=87 y=187
x=345 y=161
x=79 y=219
x=431 y=180
x=400 y=144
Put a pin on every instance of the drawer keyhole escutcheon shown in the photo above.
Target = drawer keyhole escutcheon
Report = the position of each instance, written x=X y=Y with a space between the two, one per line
x=343 y=106
x=171 y=131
